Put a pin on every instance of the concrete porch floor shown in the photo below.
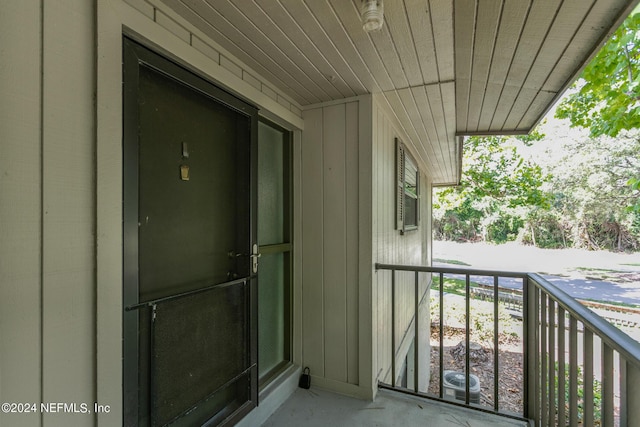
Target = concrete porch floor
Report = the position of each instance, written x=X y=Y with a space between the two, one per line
x=321 y=408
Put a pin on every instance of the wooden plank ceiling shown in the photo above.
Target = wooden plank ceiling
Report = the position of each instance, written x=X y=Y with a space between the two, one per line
x=444 y=68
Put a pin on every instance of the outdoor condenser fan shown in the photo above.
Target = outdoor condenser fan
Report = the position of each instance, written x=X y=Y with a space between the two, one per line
x=454 y=386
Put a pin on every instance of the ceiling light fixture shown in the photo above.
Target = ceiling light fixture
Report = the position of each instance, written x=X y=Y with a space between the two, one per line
x=372 y=12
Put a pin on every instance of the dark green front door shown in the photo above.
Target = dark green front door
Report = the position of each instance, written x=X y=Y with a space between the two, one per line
x=190 y=229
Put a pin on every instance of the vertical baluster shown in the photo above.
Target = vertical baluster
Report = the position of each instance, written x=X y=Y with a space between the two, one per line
x=467 y=338
x=536 y=350
x=607 y=386
x=629 y=394
x=588 y=378
x=552 y=363
x=573 y=371
x=416 y=341
x=393 y=328
x=544 y=408
x=441 y=353
x=496 y=332
x=562 y=369
x=152 y=363
x=624 y=391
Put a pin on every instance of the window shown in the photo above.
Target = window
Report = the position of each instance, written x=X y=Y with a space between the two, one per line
x=408 y=189
x=274 y=238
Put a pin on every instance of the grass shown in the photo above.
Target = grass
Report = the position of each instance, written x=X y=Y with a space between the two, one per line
x=452 y=286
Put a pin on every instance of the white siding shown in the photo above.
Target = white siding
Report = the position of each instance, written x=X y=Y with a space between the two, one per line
x=61 y=192
x=47 y=324
x=348 y=224
x=20 y=209
x=61 y=211
x=391 y=247
x=330 y=256
x=68 y=296
x=312 y=230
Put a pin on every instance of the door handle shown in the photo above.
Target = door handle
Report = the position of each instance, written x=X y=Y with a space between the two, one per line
x=254 y=257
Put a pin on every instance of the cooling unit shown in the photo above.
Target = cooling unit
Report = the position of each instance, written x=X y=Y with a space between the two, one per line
x=454 y=386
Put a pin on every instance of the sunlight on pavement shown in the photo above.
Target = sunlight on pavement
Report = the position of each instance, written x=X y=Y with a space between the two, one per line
x=516 y=257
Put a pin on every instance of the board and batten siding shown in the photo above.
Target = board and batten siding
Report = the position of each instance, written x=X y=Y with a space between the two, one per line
x=47 y=209
x=329 y=243
x=347 y=193
x=389 y=246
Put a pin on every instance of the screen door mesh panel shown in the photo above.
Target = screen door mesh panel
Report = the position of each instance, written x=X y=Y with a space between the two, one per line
x=199 y=345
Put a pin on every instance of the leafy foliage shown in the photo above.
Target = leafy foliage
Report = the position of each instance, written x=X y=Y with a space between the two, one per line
x=579 y=199
x=607 y=99
x=596 y=390
x=497 y=189
x=593 y=193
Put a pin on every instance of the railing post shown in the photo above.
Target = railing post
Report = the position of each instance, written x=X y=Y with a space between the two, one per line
x=544 y=357
x=552 y=363
x=416 y=336
x=531 y=359
x=629 y=394
x=467 y=340
x=496 y=343
x=441 y=337
x=393 y=328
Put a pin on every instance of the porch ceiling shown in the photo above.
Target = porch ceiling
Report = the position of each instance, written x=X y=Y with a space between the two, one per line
x=444 y=68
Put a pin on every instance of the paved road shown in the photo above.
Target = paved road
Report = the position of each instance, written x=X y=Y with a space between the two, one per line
x=598 y=290
x=574 y=286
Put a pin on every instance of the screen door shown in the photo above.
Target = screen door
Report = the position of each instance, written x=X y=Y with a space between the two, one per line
x=190 y=260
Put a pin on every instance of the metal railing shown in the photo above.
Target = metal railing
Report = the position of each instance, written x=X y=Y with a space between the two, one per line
x=594 y=380
x=577 y=368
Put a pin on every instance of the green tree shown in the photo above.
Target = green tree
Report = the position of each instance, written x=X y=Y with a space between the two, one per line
x=497 y=191
x=606 y=100
x=591 y=192
x=607 y=97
